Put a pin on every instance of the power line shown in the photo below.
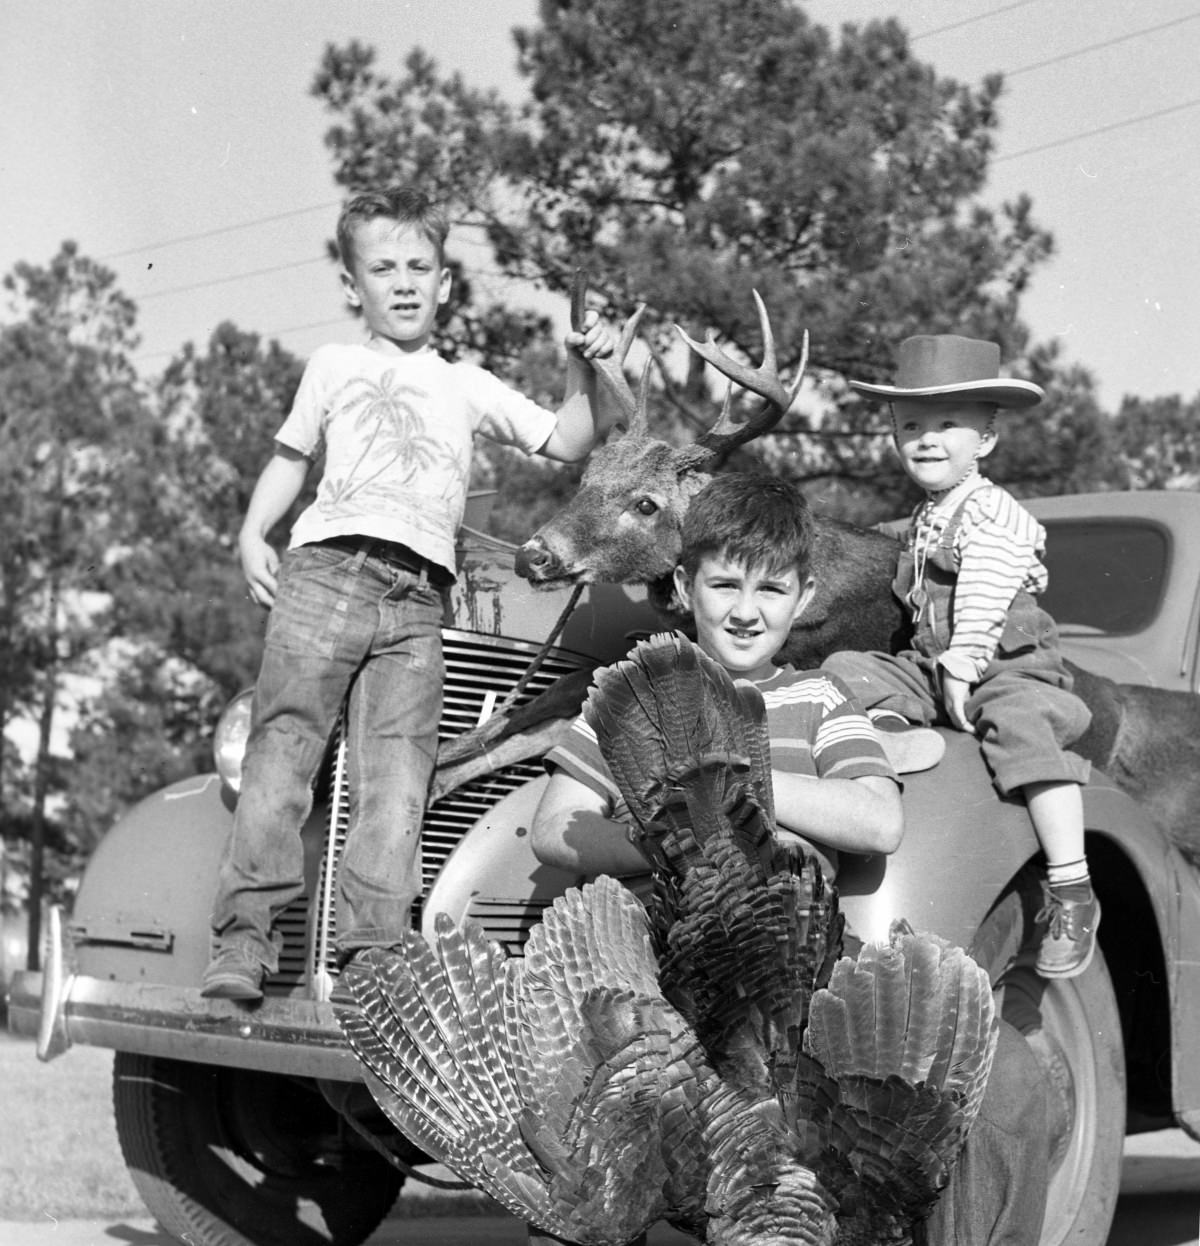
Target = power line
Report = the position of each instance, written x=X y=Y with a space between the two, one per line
x=223 y=229
x=476 y=272
x=274 y=333
x=968 y=21
x=219 y=281
x=1104 y=129
x=331 y=204
x=229 y=229
x=1095 y=47
x=481 y=272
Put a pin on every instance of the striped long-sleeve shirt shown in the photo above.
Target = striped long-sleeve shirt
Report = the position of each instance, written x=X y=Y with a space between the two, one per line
x=997 y=549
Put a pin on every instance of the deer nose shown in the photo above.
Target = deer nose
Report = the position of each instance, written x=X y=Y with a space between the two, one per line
x=534 y=560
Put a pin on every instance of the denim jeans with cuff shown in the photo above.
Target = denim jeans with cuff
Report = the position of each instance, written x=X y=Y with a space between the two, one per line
x=345 y=621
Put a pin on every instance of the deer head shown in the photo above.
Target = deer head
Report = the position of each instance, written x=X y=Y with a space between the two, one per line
x=623 y=525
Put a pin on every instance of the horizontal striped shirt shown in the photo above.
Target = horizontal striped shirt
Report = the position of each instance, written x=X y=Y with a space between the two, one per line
x=814 y=726
x=997 y=552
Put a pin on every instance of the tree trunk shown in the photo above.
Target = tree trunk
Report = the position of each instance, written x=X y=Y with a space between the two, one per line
x=37 y=821
x=41 y=776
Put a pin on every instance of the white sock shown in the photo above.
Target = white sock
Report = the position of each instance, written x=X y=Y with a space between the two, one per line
x=876 y=715
x=1066 y=872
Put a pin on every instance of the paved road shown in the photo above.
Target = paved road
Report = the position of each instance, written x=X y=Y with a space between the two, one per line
x=1159 y=1206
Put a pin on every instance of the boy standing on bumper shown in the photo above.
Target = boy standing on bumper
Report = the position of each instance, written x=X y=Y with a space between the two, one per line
x=357 y=602
x=984 y=656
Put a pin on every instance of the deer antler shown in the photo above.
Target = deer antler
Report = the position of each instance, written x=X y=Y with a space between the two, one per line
x=611 y=371
x=765 y=381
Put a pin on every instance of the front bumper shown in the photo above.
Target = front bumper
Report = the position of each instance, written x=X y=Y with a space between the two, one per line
x=60 y=1008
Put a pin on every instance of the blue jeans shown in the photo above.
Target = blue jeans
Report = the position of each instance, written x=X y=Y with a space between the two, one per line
x=343 y=622
x=998 y=1189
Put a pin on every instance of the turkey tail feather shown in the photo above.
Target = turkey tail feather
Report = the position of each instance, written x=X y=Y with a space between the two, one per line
x=549 y=1082
x=901 y=1042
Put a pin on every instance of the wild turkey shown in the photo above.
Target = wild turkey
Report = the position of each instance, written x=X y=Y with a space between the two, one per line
x=705 y=1061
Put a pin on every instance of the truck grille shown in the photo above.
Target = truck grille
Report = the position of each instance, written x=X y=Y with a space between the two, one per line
x=480 y=673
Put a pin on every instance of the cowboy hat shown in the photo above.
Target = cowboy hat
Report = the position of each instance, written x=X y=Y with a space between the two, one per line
x=946 y=367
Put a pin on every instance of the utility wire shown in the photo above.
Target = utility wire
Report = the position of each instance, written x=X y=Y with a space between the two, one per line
x=223 y=229
x=219 y=281
x=1095 y=47
x=275 y=333
x=1008 y=73
x=1104 y=129
x=968 y=21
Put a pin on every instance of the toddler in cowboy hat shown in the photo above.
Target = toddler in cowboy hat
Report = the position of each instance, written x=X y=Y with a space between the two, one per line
x=984 y=657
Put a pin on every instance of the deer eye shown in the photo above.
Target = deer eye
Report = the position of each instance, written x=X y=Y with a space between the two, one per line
x=646 y=506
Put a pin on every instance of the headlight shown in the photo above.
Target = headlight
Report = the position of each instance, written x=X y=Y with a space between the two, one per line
x=229 y=739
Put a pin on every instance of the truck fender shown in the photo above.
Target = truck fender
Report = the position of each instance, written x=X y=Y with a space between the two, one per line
x=492 y=874
x=964 y=843
x=144 y=905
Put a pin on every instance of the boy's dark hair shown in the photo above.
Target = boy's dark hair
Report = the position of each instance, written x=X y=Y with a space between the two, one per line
x=749 y=519
x=399 y=204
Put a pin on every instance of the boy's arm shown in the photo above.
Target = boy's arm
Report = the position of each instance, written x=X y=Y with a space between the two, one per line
x=852 y=815
x=997 y=557
x=575 y=433
x=573 y=831
x=278 y=487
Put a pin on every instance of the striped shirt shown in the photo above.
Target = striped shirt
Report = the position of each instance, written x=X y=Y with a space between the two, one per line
x=814 y=725
x=997 y=552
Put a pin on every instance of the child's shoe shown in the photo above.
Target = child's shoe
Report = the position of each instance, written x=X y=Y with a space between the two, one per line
x=1071 y=914
x=232 y=974
x=909 y=748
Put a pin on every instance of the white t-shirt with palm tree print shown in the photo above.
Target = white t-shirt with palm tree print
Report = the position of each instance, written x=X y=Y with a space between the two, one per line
x=397 y=432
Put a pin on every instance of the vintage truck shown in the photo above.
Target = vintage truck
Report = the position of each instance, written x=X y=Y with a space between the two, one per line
x=252 y=1126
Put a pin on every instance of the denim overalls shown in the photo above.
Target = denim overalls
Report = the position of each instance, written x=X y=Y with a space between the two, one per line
x=1022 y=707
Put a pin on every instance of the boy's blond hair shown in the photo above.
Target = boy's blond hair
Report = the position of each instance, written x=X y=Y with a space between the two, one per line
x=399 y=204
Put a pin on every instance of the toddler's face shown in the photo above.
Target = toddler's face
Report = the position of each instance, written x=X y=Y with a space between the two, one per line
x=398 y=281
x=939 y=443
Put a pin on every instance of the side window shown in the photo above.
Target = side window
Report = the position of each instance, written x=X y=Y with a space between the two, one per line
x=1106 y=576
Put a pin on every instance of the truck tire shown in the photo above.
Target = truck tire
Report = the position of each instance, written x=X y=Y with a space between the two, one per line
x=1074 y=1029
x=234 y=1157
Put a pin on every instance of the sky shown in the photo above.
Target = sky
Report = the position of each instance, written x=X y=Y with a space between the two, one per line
x=176 y=141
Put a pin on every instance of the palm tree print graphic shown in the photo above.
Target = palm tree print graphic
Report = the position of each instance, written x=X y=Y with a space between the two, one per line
x=397 y=445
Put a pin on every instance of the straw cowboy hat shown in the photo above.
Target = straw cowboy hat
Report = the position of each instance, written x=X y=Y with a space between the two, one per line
x=946 y=367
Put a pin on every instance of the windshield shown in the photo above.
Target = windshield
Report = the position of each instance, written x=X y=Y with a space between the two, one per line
x=1106 y=575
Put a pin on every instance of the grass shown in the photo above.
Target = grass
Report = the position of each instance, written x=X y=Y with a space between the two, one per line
x=59 y=1156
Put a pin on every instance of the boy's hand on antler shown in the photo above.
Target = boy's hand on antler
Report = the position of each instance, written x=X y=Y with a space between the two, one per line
x=594 y=341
